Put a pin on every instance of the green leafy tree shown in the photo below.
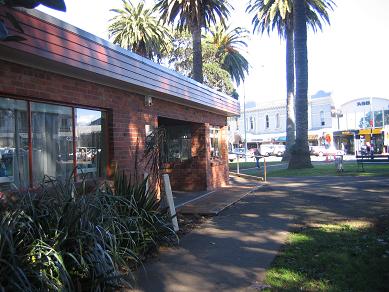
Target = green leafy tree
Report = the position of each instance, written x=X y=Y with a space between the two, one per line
x=229 y=45
x=29 y=4
x=180 y=57
x=277 y=15
x=193 y=15
x=138 y=29
x=218 y=78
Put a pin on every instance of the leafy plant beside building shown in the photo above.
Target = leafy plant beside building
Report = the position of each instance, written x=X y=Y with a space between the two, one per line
x=63 y=240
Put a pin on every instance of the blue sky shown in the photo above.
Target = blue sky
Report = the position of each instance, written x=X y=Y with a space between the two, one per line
x=350 y=58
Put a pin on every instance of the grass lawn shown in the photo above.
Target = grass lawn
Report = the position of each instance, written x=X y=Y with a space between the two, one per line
x=324 y=169
x=348 y=256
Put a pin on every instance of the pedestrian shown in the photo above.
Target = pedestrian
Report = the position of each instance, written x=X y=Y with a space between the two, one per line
x=257 y=156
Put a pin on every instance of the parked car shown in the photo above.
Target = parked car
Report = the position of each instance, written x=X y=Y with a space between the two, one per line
x=279 y=150
x=266 y=149
x=323 y=151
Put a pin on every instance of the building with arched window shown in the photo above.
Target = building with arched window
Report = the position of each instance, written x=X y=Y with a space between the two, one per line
x=266 y=122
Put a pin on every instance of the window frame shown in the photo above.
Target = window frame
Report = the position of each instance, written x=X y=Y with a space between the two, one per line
x=73 y=108
x=213 y=132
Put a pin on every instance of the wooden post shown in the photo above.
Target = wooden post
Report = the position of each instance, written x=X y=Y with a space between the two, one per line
x=237 y=163
x=147 y=182
x=170 y=201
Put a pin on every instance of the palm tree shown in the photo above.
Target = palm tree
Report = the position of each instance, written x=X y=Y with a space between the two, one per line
x=229 y=44
x=193 y=15
x=300 y=157
x=278 y=14
x=136 y=28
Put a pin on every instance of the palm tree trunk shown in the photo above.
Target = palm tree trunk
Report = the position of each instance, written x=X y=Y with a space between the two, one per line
x=300 y=157
x=290 y=117
x=197 y=70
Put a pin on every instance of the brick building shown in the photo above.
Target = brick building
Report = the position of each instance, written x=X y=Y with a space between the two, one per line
x=71 y=100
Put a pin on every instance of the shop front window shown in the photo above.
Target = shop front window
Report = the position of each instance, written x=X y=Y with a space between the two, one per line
x=52 y=141
x=13 y=143
x=215 y=142
x=90 y=152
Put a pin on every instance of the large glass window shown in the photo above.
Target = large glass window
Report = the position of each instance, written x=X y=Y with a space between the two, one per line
x=386 y=117
x=13 y=143
x=91 y=156
x=215 y=141
x=52 y=141
x=378 y=119
x=62 y=138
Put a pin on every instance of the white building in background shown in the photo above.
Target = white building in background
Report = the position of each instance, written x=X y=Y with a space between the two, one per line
x=364 y=121
x=352 y=124
x=266 y=122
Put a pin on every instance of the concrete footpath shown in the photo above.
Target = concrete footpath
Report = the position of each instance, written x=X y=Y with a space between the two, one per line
x=230 y=252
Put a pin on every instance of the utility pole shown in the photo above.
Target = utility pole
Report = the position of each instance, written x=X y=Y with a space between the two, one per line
x=245 y=122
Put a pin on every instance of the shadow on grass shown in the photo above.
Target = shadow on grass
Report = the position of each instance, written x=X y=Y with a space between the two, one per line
x=351 y=256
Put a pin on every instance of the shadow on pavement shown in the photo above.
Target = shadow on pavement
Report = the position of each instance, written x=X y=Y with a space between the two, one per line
x=230 y=252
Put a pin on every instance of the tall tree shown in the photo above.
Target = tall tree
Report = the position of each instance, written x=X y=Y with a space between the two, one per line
x=278 y=15
x=180 y=57
x=300 y=156
x=138 y=29
x=229 y=45
x=193 y=15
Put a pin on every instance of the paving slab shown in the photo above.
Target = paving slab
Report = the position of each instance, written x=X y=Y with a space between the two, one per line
x=215 y=202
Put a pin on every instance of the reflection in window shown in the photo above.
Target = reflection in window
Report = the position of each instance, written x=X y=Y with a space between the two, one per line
x=386 y=117
x=178 y=143
x=378 y=119
x=90 y=152
x=215 y=141
x=52 y=141
x=13 y=143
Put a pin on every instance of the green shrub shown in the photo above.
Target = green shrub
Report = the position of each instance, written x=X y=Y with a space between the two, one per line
x=59 y=239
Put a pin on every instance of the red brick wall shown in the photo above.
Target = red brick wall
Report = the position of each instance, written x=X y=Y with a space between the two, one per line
x=127 y=118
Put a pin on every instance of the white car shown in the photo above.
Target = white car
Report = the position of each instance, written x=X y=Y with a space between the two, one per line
x=323 y=151
x=279 y=150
